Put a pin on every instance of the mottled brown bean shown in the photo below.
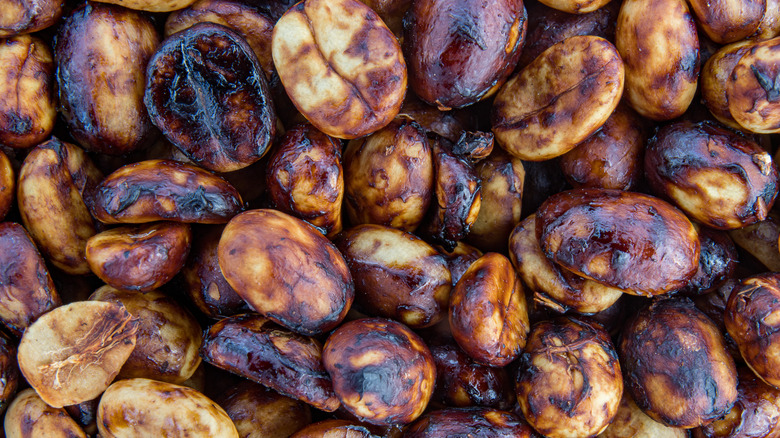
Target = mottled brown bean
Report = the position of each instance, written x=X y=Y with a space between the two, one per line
x=134 y=407
x=101 y=54
x=488 y=314
x=168 y=336
x=473 y=423
x=714 y=79
x=630 y=421
x=553 y=286
x=397 y=275
x=761 y=241
x=751 y=91
x=382 y=372
x=389 y=177
x=392 y=13
x=658 y=43
x=503 y=179
x=305 y=178
x=72 y=353
x=341 y=66
x=9 y=371
x=155 y=190
x=459 y=259
x=676 y=365
x=717 y=177
x=611 y=158
x=559 y=99
x=752 y=319
x=726 y=21
x=717 y=262
x=152 y=5
x=286 y=270
x=28 y=417
x=569 y=383
x=448 y=124
x=207 y=93
x=205 y=285
x=627 y=240
x=26 y=289
x=461 y=52
x=461 y=382
x=28 y=103
x=7 y=185
x=141 y=257
x=256 y=348
x=25 y=16
x=457 y=196
x=54 y=181
x=247 y=21
x=259 y=412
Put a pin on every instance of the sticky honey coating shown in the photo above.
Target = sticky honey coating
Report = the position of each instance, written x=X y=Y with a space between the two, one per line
x=140 y=258
x=630 y=241
x=473 y=422
x=341 y=66
x=28 y=101
x=168 y=336
x=28 y=416
x=460 y=52
x=73 y=353
x=488 y=314
x=256 y=348
x=569 y=382
x=559 y=99
x=135 y=407
x=397 y=275
x=751 y=317
x=102 y=101
x=154 y=190
x=206 y=91
x=26 y=288
x=54 y=182
x=305 y=178
x=676 y=365
x=717 y=177
x=286 y=270
x=389 y=177
x=382 y=372
x=661 y=56
x=553 y=286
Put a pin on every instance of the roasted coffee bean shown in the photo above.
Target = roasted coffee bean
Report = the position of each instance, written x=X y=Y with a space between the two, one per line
x=472 y=422
x=26 y=16
x=28 y=416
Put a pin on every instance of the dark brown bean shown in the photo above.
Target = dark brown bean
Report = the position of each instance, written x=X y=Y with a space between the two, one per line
x=569 y=382
x=334 y=428
x=461 y=52
x=259 y=412
x=714 y=78
x=7 y=185
x=305 y=178
x=388 y=177
x=19 y=17
x=101 y=54
x=205 y=285
x=627 y=240
x=472 y=423
x=612 y=157
x=459 y=259
x=457 y=196
x=382 y=372
x=488 y=314
x=719 y=178
x=750 y=89
x=9 y=371
x=676 y=365
x=397 y=275
x=726 y=21
x=256 y=348
x=392 y=13
x=207 y=93
x=461 y=382
x=717 y=262
x=752 y=319
x=155 y=190
x=760 y=240
x=141 y=257
x=448 y=124
x=286 y=270
x=168 y=336
x=28 y=101
x=26 y=289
